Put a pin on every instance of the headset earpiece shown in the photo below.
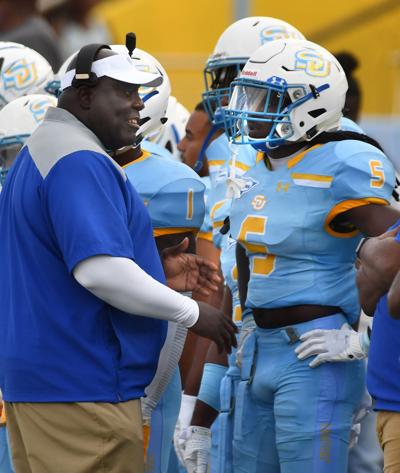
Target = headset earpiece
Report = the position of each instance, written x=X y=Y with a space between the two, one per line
x=84 y=61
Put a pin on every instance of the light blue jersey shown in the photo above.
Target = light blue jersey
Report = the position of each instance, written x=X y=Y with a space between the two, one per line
x=348 y=125
x=205 y=232
x=219 y=157
x=285 y=218
x=220 y=204
x=155 y=148
x=172 y=192
x=218 y=153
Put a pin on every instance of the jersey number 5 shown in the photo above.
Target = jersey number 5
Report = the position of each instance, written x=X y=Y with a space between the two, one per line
x=377 y=173
x=264 y=263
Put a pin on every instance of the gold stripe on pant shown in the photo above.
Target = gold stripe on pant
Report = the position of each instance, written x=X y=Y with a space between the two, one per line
x=83 y=437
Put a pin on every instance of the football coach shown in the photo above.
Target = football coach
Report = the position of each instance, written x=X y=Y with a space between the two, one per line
x=84 y=296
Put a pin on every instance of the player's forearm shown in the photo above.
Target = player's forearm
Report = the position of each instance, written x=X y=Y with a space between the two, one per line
x=204 y=415
x=381 y=260
x=370 y=290
x=123 y=284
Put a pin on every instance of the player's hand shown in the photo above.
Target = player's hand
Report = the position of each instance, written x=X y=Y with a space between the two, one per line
x=197 y=451
x=183 y=422
x=332 y=345
x=213 y=324
x=189 y=272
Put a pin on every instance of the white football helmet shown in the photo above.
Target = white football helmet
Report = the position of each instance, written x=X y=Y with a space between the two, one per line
x=174 y=130
x=23 y=71
x=155 y=99
x=18 y=120
x=233 y=49
x=288 y=91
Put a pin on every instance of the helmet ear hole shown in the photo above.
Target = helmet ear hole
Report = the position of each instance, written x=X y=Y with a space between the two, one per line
x=317 y=112
x=168 y=146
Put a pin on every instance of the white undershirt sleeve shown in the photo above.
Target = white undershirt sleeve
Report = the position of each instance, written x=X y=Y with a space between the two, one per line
x=123 y=284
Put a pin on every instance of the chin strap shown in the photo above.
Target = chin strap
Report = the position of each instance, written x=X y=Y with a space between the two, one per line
x=217 y=124
x=200 y=161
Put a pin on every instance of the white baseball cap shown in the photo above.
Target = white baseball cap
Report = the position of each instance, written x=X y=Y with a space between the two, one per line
x=119 y=67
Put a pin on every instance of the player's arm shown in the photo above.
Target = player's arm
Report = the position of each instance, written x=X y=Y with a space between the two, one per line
x=207 y=404
x=194 y=443
x=379 y=257
x=379 y=264
x=372 y=220
x=194 y=355
x=362 y=189
x=243 y=266
x=363 y=185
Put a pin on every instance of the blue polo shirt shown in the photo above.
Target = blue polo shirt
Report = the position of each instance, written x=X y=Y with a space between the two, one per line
x=383 y=375
x=66 y=200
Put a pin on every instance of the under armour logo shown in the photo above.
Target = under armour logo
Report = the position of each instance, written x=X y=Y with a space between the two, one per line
x=277 y=81
x=282 y=186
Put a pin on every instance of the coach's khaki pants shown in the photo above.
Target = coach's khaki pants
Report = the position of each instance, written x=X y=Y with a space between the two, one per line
x=82 y=437
x=388 y=429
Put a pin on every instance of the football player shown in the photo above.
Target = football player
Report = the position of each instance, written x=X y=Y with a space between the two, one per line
x=298 y=220
x=226 y=164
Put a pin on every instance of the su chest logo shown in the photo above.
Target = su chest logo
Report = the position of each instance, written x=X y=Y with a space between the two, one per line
x=258 y=202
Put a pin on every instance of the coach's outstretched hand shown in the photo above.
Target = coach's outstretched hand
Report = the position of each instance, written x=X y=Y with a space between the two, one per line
x=213 y=324
x=189 y=272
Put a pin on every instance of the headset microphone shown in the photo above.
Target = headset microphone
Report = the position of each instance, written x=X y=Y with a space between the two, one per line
x=130 y=42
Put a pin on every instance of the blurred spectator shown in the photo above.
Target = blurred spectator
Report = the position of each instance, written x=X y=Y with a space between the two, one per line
x=353 y=97
x=20 y=22
x=75 y=24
